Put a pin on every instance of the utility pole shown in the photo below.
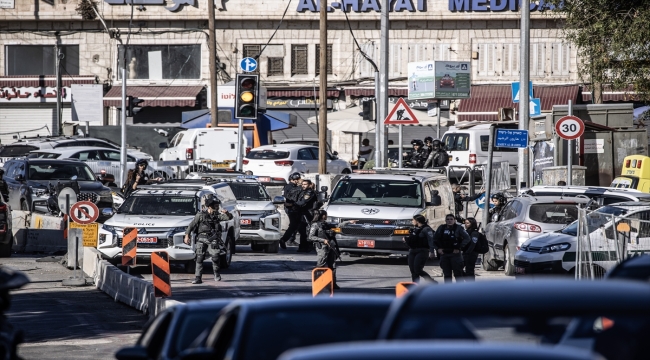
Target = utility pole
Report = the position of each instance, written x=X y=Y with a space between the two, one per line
x=212 y=55
x=322 y=111
x=57 y=63
x=523 y=167
x=383 y=82
x=123 y=170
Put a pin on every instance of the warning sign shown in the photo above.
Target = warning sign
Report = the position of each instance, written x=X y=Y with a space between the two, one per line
x=90 y=232
x=401 y=114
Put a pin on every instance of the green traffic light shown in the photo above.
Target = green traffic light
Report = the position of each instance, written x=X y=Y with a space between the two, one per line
x=247 y=110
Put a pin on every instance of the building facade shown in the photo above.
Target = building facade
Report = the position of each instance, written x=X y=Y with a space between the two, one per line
x=167 y=56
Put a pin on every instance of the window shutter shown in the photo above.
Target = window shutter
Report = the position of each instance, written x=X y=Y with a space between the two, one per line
x=418 y=53
x=441 y=52
x=537 y=59
x=365 y=69
x=561 y=58
x=395 y=62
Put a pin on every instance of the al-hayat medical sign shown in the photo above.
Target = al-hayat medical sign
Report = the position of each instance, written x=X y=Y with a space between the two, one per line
x=421 y=5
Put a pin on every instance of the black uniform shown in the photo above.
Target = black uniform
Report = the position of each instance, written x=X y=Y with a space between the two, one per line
x=291 y=193
x=128 y=187
x=494 y=212
x=209 y=230
x=458 y=203
x=304 y=205
x=326 y=255
x=416 y=158
x=437 y=158
x=470 y=254
x=449 y=239
x=420 y=243
x=4 y=190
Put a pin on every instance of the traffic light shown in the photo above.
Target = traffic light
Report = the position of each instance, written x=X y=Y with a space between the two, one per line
x=246 y=96
x=368 y=110
x=133 y=106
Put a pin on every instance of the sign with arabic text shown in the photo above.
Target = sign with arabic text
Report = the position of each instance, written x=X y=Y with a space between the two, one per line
x=28 y=94
x=511 y=138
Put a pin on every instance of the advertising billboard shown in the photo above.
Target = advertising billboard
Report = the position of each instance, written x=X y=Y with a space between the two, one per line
x=453 y=79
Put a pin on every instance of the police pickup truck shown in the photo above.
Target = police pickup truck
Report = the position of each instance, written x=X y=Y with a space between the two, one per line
x=383 y=204
x=161 y=214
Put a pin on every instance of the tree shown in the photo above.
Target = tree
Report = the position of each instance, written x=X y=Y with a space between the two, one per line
x=612 y=39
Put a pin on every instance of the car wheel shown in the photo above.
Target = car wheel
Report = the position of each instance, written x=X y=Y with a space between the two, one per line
x=24 y=206
x=508 y=265
x=5 y=249
x=272 y=248
x=256 y=247
x=489 y=264
x=190 y=266
x=226 y=259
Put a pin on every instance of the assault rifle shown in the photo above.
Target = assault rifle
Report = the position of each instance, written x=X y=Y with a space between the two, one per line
x=331 y=238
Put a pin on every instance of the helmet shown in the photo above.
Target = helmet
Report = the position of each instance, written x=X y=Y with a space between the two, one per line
x=211 y=201
x=417 y=142
x=428 y=138
x=436 y=144
x=294 y=176
x=499 y=197
x=142 y=161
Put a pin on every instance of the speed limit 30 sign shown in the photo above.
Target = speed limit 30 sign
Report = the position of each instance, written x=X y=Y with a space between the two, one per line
x=570 y=127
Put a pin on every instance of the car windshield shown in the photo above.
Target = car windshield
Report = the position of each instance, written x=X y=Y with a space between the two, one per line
x=267 y=335
x=595 y=219
x=553 y=213
x=16 y=151
x=43 y=155
x=60 y=172
x=190 y=328
x=159 y=205
x=268 y=154
x=378 y=193
x=249 y=192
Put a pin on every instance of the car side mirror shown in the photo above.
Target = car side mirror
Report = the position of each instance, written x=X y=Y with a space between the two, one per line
x=324 y=188
x=336 y=153
x=196 y=354
x=435 y=201
x=19 y=178
x=279 y=200
x=162 y=145
x=107 y=212
x=132 y=353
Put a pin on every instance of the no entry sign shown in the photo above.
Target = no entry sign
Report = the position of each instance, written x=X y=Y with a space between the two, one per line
x=569 y=127
x=84 y=212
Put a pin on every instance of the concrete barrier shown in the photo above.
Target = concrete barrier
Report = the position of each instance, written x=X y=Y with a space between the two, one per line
x=46 y=221
x=34 y=232
x=161 y=304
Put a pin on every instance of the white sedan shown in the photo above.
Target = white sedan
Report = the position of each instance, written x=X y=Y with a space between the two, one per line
x=280 y=161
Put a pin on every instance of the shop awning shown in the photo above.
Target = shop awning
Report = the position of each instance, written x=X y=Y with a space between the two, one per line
x=270 y=121
x=300 y=92
x=486 y=100
x=370 y=91
x=44 y=80
x=609 y=95
x=155 y=96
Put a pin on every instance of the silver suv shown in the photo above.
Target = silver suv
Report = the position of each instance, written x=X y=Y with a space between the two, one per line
x=522 y=218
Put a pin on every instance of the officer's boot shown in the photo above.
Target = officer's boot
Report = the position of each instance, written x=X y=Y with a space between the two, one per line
x=197 y=280
x=217 y=276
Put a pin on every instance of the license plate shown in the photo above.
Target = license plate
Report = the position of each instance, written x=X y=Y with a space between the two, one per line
x=147 y=240
x=245 y=221
x=366 y=243
x=264 y=179
x=520 y=270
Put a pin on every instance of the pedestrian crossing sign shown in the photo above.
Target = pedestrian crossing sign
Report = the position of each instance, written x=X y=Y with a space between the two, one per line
x=401 y=114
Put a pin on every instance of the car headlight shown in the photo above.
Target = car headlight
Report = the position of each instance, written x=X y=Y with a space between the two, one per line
x=38 y=192
x=333 y=220
x=554 y=248
x=268 y=213
x=108 y=228
x=177 y=230
x=403 y=222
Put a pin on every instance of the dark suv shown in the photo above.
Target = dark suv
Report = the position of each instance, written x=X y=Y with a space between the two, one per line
x=27 y=180
x=6 y=236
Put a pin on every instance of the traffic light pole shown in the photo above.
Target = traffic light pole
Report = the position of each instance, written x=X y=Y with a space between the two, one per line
x=123 y=169
x=240 y=144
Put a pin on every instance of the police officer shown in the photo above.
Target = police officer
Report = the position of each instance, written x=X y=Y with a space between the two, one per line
x=499 y=201
x=320 y=234
x=459 y=198
x=420 y=243
x=4 y=190
x=304 y=207
x=137 y=176
x=207 y=224
x=469 y=251
x=438 y=156
x=417 y=156
x=428 y=145
x=291 y=192
x=448 y=240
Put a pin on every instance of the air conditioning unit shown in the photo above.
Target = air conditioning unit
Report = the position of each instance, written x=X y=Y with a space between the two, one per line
x=507 y=114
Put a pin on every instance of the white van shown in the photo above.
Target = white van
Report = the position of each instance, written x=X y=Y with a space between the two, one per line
x=467 y=145
x=200 y=145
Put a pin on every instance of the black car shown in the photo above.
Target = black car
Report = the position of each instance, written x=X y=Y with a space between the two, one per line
x=27 y=180
x=6 y=235
x=173 y=330
x=633 y=268
x=262 y=329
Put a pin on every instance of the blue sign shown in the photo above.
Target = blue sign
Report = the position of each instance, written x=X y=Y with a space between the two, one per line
x=511 y=138
x=495 y=5
x=535 y=107
x=515 y=91
x=248 y=64
x=481 y=200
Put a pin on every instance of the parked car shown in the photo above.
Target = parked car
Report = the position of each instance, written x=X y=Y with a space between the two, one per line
x=283 y=160
x=600 y=195
x=264 y=328
x=173 y=330
x=104 y=160
x=27 y=180
x=203 y=148
x=633 y=268
x=522 y=218
x=231 y=173
x=541 y=311
x=427 y=350
x=555 y=253
x=6 y=234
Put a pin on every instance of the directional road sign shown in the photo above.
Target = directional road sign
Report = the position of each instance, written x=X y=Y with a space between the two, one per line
x=511 y=138
x=61 y=199
x=515 y=91
x=84 y=212
x=535 y=107
x=248 y=64
x=569 y=127
x=482 y=200
x=401 y=114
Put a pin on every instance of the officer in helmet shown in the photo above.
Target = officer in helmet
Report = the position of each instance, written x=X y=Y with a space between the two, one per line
x=291 y=193
x=438 y=156
x=428 y=145
x=207 y=226
x=138 y=176
x=417 y=156
x=498 y=201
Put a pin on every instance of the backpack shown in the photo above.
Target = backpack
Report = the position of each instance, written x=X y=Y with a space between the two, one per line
x=482 y=244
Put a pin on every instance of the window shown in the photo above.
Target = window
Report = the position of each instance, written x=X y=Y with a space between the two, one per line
x=314 y=152
x=561 y=59
x=158 y=62
x=564 y=213
x=275 y=67
x=418 y=52
x=365 y=68
x=305 y=154
x=16 y=150
x=487 y=59
x=40 y=60
x=395 y=62
x=299 y=60
x=329 y=59
x=511 y=59
x=267 y=154
x=442 y=52
x=252 y=51
x=537 y=59
x=485 y=142
x=459 y=142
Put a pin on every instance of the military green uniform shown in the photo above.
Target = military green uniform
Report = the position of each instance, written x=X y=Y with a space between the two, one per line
x=208 y=226
x=325 y=255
